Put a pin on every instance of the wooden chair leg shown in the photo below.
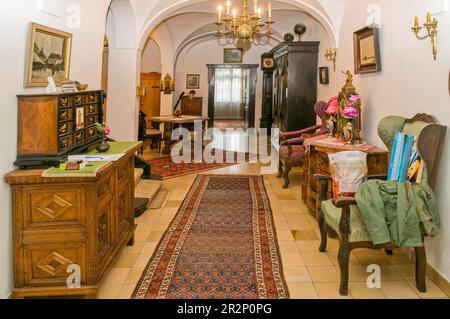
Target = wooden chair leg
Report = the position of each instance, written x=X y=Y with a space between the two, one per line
x=280 y=170
x=344 y=261
x=323 y=234
x=287 y=170
x=421 y=268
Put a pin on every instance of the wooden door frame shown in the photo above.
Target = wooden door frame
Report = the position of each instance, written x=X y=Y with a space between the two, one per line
x=212 y=89
x=157 y=75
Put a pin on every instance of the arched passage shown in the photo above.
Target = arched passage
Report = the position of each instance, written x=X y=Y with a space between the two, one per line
x=123 y=70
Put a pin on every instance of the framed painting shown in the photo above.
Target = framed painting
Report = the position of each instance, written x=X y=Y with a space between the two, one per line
x=367 y=50
x=193 y=81
x=48 y=55
x=233 y=55
x=324 y=75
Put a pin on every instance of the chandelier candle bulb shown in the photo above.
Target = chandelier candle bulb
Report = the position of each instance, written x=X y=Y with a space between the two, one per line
x=228 y=8
x=259 y=13
x=256 y=6
x=428 y=17
x=269 y=11
x=220 y=8
x=416 y=22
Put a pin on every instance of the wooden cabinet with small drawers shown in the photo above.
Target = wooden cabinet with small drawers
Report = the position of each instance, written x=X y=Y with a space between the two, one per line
x=317 y=162
x=54 y=126
x=62 y=221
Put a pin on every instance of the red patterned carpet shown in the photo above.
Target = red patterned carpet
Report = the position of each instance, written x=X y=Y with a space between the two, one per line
x=221 y=245
x=166 y=168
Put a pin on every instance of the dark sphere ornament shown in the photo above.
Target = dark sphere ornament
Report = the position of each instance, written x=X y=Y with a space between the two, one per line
x=300 y=29
x=288 y=37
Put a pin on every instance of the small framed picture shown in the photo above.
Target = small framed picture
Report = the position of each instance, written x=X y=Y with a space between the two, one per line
x=79 y=123
x=324 y=75
x=193 y=81
x=48 y=55
x=367 y=50
x=233 y=55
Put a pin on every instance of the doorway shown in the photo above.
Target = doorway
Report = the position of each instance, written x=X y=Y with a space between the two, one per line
x=151 y=102
x=232 y=93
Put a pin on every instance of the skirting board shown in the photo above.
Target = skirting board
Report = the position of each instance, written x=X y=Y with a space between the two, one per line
x=438 y=279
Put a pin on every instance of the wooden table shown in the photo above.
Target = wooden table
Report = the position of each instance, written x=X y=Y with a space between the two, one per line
x=316 y=162
x=70 y=220
x=171 y=123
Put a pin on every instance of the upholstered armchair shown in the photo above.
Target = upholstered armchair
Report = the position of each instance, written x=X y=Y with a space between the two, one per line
x=341 y=218
x=292 y=150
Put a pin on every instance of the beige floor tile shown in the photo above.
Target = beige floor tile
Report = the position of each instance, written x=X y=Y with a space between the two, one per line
x=116 y=276
x=288 y=247
x=370 y=257
x=308 y=246
x=305 y=235
x=302 y=291
x=292 y=209
x=149 y=248
x=161 y=226
x=125 y=261
x=109 y=291
x=406 y=272
x=141 y=236
x=359 y=290
x=144 y=227
x=154 y=236
x=292 y=260
x=323 y=273
x=142 y=260
x=135 y=249
x=433 y=291
x=286 y=197
x=329 y=290
x=173 y=204
x=285 y=235
x=281 y=225
x=398 y=290
x=133 y=277
x=316 y=259
x=334 y=259
x=125 y=292
x=295 y=274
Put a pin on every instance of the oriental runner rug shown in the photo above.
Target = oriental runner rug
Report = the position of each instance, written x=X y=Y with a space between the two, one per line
x=221 y=245
x=166 y=168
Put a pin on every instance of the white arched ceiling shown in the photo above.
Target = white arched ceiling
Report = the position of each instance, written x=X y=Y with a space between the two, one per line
x=124 y=35
x=161 y=12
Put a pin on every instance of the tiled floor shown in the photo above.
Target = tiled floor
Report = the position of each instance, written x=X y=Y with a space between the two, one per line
x=309 y=273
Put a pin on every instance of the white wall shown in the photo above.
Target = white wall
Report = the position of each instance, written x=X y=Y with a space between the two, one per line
x=411 y=82
x=86 y=68
x=151 y=58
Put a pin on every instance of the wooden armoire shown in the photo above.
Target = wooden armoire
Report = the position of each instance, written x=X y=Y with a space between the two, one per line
x=295 y=81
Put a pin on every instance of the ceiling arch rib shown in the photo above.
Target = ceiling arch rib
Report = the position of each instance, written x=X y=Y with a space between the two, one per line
x=162 y=12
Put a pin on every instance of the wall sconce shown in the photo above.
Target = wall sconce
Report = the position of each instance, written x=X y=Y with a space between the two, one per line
x=431 y=27
x=330 y=55
x=167 y=85
x=141 y=91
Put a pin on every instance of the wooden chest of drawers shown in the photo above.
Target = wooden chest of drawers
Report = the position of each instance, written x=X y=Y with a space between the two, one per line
x=51 y=127
x=62 y=221
x=317 y=162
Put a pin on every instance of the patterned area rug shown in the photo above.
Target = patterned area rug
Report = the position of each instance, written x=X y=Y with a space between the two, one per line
x=166 y=168
x=221 y=245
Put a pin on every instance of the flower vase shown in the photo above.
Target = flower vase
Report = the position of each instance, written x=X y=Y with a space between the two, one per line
x=104 y=146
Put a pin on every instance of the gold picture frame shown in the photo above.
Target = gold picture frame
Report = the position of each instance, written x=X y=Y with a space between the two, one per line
x=49 y=53
x=233 y=55
x=367 y=50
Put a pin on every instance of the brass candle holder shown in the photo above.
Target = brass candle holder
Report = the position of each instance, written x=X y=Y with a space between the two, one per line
x=431 y=28
x=331 y=55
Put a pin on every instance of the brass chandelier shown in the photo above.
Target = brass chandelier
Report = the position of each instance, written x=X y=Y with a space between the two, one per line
x=246 y=25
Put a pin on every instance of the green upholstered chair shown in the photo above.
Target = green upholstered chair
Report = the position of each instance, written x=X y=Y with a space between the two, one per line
x=341 y=219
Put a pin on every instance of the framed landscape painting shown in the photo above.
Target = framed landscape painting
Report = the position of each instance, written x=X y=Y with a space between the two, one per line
x=367 y=50
x=48 y=55
x=233 y=55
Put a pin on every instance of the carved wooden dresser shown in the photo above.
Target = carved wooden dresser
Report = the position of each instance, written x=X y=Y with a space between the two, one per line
x=62 y=221
x=317 y=162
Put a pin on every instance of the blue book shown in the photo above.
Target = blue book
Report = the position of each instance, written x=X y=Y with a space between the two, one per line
x=406 y=157
x=396 y=156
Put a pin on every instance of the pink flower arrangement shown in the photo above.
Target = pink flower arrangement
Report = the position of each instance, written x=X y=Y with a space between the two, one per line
x=107 y=131
x=350 y=112
x=333 y=106
x=354 y=99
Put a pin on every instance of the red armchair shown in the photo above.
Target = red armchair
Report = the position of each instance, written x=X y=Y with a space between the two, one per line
x=292 y=150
